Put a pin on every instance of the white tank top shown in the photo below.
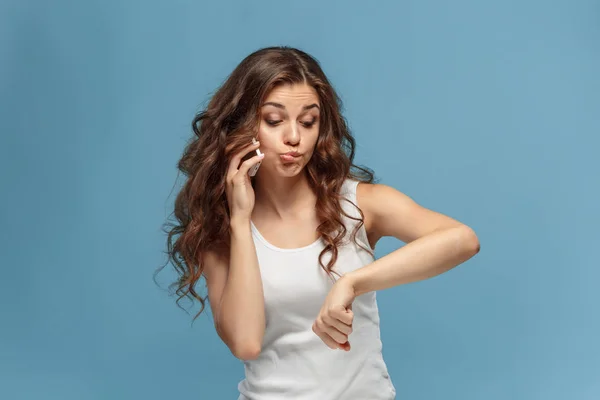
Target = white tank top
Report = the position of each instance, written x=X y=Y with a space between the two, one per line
x=294 y=363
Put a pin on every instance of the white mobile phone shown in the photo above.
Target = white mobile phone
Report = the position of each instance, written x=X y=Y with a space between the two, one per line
x=254 y=169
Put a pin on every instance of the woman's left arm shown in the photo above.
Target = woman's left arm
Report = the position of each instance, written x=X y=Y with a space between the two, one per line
x=435 y=242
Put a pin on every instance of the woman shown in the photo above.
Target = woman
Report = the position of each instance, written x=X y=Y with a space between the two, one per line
x=287 y=254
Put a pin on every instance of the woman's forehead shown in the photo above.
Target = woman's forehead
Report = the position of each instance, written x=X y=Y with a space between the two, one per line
x=293 y=94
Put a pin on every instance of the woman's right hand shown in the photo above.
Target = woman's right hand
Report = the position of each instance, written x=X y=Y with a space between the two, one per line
x=240 y=194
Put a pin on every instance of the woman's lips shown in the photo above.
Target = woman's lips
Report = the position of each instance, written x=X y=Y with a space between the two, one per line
x=290 y=157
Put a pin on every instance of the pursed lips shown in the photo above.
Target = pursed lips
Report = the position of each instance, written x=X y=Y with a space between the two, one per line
x=290 y=156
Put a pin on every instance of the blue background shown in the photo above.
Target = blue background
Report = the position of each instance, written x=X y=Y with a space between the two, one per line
x=488 y=111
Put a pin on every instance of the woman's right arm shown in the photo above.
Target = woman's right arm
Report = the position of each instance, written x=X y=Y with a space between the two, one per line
x=234 y=283
x=235 y=294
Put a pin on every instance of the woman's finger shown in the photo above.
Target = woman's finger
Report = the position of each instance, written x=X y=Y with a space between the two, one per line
x=332 y=344
x=337 y=324
x=237 y=159
x=336 y=335
x=246 y=165
x=342 y=315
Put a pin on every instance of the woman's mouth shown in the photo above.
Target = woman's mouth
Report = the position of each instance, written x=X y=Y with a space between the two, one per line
x=290 y=156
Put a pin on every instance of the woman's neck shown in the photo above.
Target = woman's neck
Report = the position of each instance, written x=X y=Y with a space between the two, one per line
x=284 y=198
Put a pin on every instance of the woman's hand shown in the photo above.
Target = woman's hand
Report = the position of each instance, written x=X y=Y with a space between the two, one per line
x=240 y=194
x=334 y=322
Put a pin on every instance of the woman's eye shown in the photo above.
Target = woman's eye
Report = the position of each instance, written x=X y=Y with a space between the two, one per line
x=272 y=122
x=309 y=124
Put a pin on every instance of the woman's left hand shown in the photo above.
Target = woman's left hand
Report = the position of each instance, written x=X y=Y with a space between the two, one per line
x=334 y=322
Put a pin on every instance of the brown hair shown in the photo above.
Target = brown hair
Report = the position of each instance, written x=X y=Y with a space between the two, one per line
x=227 y=124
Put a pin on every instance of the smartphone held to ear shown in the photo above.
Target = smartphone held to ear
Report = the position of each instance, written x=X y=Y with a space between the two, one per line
x=254 y=169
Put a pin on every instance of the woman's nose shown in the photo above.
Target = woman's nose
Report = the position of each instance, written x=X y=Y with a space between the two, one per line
x=292 y=135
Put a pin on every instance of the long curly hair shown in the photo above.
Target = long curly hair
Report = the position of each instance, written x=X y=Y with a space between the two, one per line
x=223 y=128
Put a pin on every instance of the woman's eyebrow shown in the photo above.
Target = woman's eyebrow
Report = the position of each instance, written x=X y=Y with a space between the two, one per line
x=281 y=106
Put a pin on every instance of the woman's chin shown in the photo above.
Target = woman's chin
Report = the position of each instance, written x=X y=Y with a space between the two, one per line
x=289 y=170
x=283 y=171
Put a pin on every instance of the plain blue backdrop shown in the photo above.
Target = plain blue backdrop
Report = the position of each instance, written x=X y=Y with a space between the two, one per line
x=488 y=111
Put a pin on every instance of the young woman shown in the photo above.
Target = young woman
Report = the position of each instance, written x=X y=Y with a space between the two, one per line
x=287 y=252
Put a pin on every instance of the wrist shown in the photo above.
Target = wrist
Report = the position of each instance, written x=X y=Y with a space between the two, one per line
x=350 y=280
x=239 y=224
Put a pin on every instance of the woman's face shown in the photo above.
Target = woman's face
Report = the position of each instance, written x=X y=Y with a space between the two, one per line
x=288 y=129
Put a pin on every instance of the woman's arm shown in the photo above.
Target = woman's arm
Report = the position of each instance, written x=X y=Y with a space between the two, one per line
x=236 y=295
x=435 y=243
x=234 y=283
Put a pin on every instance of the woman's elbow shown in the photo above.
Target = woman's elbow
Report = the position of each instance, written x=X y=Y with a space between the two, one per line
x=246 y=350
x=470 y=241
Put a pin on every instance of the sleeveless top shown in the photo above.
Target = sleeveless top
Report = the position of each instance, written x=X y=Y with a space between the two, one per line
x=294 y=363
